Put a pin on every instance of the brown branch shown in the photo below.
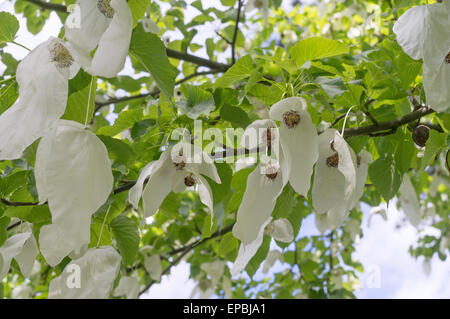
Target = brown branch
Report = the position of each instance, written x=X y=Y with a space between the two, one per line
x=49 y=6
x=12 y=226
x=18 y=204
x=154 y=93
x=213 y=65
x=388 y=125
x=368 y=114
x=236 y=31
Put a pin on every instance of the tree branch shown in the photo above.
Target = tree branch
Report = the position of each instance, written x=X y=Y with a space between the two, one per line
x=154 y=93
x=236 y=30
x=197 y=60
x=388 y=125
x=49 y=6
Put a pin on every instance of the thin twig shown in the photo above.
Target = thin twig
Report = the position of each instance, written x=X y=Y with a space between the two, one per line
x=153 y=93
x=49 y=6
x=236 y=31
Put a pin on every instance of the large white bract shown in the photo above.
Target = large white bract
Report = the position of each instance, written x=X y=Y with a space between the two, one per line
x=424 y=33
x=128 y=287
x=179 y=167
x=88 y=277
x=280 y=229
x=333 y=190
x=299 y=141
x=73 y=173
x=21 y=247
x=106 y=25
x=42 y=77
x=409 y=202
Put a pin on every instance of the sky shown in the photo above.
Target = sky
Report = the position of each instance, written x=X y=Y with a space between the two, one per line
x=382 y=250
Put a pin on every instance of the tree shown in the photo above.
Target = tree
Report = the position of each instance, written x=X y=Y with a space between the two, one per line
x=348 y=102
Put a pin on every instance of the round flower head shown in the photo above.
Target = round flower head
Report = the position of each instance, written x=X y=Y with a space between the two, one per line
x=179 y=167
x=334 y=185
x=73 y=173
x=107 y=26
x=98 y=267
x=42 y=77
x=299 y=141
x=424 y=33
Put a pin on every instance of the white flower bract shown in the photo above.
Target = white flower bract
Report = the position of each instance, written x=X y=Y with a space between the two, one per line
x=73 y=173
x=21 y=247
x=424 y=33
x=174 y=171
x=111 y=36
x=42 y=77
x=88 y=277
x=299 y=142
x=409 y=201
x=333 y=190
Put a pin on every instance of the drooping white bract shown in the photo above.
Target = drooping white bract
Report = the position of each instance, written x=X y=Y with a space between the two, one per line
x=271 y=258
x=153 y=266
x=179 y=167
x=424 y=33
x=280 y=230
x=73 y=173
x=129 y=287
x=363 y=159
x=105 y=25
x=88 y=277
x=214 y=270
x=264 y=185
x=334 y=180
x=42 y=77
x=299 y=141
x=409 y=201
x=21 y=247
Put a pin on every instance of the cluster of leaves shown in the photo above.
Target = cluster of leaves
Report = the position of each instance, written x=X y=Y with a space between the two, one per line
x=346 y=63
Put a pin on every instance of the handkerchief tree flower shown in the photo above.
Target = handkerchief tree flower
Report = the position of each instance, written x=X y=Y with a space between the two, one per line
x=179 y=167
x=334 y=180
x=328 y=126
x=424 y=33
x=42 y=77
x=105 y=25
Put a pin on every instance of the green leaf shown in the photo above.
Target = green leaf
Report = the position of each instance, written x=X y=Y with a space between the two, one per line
x=127 y=236
x=285 y=203
x=331 y=86
x=125 y=120
x=9 y=25
x=435 y=143
x=227 y=244
x=385 y=176
x=4 y=222
x=316 y=48
x=80 y=99
x=118 y=150
x=150 y=51
x=235 y=115
x=405 y=152
x=196 y=101
x=259 y=257
x=239 y=71
x=138 y=9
